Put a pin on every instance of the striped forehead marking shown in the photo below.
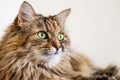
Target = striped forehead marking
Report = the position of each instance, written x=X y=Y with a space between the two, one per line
x=52 y=24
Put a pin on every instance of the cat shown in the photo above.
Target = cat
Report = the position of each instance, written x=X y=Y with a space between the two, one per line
x=36 y=47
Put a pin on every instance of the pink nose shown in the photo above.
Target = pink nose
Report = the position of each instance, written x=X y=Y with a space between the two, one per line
x=56 y=44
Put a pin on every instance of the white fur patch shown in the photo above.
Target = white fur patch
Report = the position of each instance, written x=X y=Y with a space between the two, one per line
x=52 y=58
x=55 y=59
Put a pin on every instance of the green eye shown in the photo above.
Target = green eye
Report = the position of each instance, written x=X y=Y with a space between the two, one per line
x=42 y=35
x=60 y=36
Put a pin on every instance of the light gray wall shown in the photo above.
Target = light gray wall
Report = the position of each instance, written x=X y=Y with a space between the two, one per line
x=93 y=25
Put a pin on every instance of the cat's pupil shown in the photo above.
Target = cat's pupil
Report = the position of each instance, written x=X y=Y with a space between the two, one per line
x=42 y=35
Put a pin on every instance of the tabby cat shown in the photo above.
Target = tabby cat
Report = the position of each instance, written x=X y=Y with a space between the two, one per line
x=36 y=47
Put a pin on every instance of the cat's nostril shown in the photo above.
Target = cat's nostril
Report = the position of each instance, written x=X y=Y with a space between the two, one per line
x=57 y=46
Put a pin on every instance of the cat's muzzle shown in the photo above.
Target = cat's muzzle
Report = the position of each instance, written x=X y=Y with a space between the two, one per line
x=53 y=51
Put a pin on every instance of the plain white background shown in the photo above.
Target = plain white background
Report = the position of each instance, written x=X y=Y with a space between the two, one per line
x=93 y=25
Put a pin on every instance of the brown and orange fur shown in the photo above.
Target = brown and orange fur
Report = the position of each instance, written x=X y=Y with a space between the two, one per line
x=24 y=56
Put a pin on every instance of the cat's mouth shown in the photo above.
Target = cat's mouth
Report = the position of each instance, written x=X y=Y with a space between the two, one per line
x=52 y=57
x=53 y=51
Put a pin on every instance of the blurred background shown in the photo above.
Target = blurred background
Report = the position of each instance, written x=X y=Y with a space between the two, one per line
x=93 y=25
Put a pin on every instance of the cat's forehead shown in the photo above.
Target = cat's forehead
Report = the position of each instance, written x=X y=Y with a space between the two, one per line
x=48 y=24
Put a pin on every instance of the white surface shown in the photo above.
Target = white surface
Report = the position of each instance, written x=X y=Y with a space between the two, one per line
x=93 y=25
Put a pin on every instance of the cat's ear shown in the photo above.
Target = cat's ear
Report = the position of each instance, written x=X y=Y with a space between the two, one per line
x=62 y=16
x=26 y=12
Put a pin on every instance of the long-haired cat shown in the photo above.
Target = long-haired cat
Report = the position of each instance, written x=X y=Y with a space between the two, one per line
x=38 y=48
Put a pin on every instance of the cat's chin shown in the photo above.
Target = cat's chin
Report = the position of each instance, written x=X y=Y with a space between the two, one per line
x=54 y=60
x=50 y=62
x=50 y=59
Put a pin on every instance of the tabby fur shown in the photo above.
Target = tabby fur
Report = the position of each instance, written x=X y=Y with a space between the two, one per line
x=24 y=56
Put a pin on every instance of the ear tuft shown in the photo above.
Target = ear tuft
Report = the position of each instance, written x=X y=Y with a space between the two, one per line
x=62 y=16
x=26 y=12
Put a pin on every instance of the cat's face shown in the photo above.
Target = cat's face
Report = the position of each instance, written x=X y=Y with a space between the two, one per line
x=46 y=38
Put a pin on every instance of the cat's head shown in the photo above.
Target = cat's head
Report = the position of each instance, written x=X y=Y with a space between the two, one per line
x=44 y=37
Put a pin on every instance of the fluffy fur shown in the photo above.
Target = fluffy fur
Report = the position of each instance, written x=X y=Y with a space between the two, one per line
x=25 y=56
